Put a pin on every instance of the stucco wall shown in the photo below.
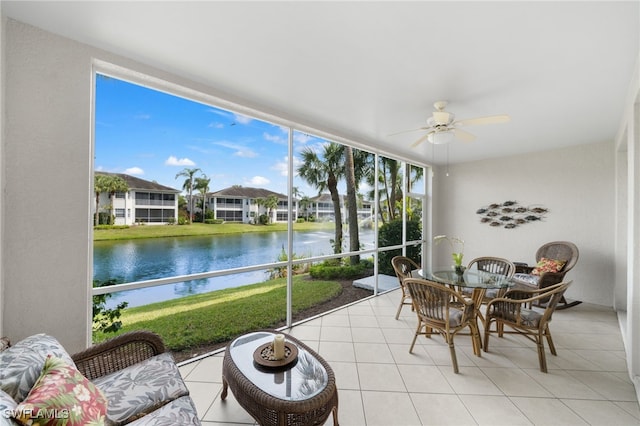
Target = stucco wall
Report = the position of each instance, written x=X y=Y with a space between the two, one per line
x=576 y=185
x=47 y=173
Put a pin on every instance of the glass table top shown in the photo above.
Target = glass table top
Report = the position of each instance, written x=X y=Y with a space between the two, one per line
x=472 y=278
x=301 y=380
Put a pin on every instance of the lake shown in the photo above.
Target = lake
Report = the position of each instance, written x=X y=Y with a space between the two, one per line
x=146 y=259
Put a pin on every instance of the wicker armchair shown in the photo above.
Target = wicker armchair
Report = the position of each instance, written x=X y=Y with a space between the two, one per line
x=511 y=310
x=558 y=250
x=404 y=267
x=442 y=310
x=117 y=353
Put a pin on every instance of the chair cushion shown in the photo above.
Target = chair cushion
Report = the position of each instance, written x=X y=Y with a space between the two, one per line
x=62 y=396
x=455 y=317
x=178 y=412
x=7 y=406
x=548 y=265
x=528 y=317
x=527 y=279
x=141 y=388
x=22 y=363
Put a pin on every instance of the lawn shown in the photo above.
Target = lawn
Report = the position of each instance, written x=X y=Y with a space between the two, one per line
x=219 y=316
x=197 y=229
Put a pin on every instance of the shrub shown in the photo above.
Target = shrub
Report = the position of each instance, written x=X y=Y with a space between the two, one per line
x=106 y=320
x=390 y=234
x=331 y=269
x=111 y=227
x=213 y=221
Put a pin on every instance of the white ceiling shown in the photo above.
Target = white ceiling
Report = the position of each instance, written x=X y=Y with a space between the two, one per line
x=363 y=70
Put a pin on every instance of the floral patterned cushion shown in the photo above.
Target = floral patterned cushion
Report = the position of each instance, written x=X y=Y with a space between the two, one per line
x=7 y=406
x=548 y=265
x=140 y=389
x=21 y=364
x=62 y=396
x=178 y=412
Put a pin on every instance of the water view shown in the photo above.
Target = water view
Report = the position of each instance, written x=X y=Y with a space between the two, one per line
x=145 y=259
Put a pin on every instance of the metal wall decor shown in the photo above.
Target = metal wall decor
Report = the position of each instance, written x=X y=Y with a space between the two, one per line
x=510 y=214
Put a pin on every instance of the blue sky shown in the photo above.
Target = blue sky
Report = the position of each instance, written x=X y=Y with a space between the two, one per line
x=154 y=135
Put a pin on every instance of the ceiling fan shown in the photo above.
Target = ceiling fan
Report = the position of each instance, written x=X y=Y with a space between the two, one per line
x=441 y=127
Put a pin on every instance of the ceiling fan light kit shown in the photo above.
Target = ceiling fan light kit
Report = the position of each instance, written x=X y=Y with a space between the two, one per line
x=441 y=137
x=442 y=129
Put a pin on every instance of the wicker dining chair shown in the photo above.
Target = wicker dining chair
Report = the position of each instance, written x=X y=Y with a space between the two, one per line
x=442 y=310
x=511 y=310
x=493 y=265
x=404 y=267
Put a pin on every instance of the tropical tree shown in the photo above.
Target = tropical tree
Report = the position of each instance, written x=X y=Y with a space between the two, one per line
x=304 y=204
x=114 y=184
x=188 y=186
x=324 y=174
x=271 y=203
x=352 y=204
x=202 y=185
x=100 y=182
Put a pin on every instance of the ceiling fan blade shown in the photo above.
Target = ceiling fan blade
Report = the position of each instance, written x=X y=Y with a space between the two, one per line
x=419 y=141
x=464 y=136
x=408 y=131
x=492 y=119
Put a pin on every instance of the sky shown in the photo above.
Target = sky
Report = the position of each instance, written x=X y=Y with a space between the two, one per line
x=153 y=135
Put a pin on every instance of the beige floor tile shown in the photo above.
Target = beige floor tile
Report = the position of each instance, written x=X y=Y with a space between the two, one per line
x=601 y=412
x=441 y=410
x=401 y=355
x=389 y=409
x=515 y=382
x=346 y=375
x=335 y=334
x=607 y=384
x=373 y=352
x=562 y=385
x=632 y=408
x=365 y=321
x=337 y=351
x=336 y=320
x=380 y=377
x=367 y=335
x=351 y=411
x=494 y=410
x=207 y=370
x=305 y=332
x=425 y=379
x=470 y=381
x=227 y=411
x=547 y=411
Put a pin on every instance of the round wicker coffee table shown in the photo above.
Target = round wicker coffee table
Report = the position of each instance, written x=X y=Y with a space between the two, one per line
x=302 y=392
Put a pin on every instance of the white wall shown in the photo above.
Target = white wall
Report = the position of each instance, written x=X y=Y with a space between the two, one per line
x=576 y=185
x=47 y=175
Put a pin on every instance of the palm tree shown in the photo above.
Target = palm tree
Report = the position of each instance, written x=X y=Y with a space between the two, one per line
x=271 y=203
x=324 y=174
x=202 y=185
x=304 y=204
x=352 y=204
x=188 y=186
x=99 y=185
x=114 y=184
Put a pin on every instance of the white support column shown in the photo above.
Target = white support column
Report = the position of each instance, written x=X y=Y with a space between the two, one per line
x=633 y=249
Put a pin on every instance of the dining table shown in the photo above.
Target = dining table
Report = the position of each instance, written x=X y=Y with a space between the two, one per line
x=477 y=281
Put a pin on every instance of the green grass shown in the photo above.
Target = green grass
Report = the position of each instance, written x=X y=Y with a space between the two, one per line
x=196 y=229
x=221 y=315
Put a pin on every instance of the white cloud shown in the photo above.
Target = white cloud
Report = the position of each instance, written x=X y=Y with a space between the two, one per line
x=274 y=138
x=134 y=171
x=301 y=137
x=240 y=151
x=174 y=161
x=283 y=166
x=216 y=125
x=259 y=181
x=242 y=119
x=142 y=116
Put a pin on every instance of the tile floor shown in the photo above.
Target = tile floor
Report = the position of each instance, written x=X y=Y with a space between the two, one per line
x=380 y=383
